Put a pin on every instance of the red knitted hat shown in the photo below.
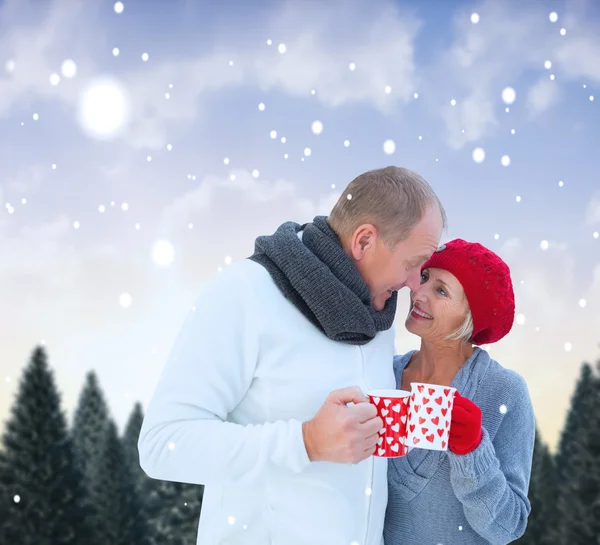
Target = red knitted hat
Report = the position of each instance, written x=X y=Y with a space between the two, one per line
x=487 y=284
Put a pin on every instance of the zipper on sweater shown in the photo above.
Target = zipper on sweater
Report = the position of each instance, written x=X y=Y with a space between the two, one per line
x=371 y=460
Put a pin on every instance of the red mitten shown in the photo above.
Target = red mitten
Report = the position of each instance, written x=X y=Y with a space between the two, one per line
x=465 y=426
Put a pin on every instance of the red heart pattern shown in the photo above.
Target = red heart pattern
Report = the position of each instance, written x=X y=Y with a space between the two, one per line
x=393 y=411
x=429 y=413
x=401 y=417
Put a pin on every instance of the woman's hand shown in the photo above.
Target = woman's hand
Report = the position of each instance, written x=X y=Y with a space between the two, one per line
x=465 y=426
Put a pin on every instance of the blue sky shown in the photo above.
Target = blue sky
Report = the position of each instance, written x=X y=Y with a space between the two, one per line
x=194 y=162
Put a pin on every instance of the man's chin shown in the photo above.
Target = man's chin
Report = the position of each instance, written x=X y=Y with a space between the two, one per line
x=378 y=302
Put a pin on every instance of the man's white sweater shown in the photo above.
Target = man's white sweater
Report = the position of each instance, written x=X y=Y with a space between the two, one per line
x=246 y=370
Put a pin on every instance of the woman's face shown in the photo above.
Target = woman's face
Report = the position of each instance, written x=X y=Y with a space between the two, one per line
x=438 y=307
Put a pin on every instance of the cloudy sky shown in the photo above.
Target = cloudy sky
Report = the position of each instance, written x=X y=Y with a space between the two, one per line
x=144 y=145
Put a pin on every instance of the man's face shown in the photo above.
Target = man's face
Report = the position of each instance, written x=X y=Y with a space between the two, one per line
x=384 y=270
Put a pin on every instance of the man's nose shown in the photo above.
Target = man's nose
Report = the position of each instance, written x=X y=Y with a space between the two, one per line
x=414 y=280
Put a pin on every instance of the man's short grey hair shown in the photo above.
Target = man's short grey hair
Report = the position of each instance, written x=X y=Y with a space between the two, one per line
x=464 y=332
x=393 y=199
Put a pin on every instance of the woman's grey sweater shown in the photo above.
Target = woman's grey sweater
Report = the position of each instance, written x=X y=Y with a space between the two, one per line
x=480 y=497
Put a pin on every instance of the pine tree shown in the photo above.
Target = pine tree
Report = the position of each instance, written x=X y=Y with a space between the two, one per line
x=534 y=531
x=578 y=488
x=118 y=517
x=37 y=474
x=542 y=496
x=130 y=448
x=174 y=511
x=89 y=424
x=548 y=486
x=573 y=421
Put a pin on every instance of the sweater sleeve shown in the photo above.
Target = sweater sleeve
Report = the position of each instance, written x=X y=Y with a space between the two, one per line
x=185 y=436
x=492 y=482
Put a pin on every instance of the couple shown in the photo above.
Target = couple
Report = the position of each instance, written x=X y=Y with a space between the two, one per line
x=263 y=399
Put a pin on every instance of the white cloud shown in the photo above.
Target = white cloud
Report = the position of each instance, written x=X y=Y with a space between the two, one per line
x=319 y=49
x=234 y=212
x=495 y=53
x=592 y=215
x=43 y=273
x=542 y=95
x=38 y=49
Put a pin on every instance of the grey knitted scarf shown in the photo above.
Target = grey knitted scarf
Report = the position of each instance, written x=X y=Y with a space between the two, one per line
x=319 y=278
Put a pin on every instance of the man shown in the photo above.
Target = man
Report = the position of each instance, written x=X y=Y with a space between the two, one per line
x=262 y=399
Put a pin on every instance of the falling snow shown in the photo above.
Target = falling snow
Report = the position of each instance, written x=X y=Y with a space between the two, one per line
x=509 y=95
x=125 y=300
x=119 y=7
x=389 y=147
x=273 y=134
x=103 y=109
x=478 y=155
x=544 y=245
x=317 y=127
x=68 y=68
x=474 y=18
x=568 y=347
x=505 y=160
x=163 y=253
x=307 y=152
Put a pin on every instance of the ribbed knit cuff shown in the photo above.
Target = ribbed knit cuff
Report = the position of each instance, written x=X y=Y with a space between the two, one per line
x=477 y=462
x=299 y=459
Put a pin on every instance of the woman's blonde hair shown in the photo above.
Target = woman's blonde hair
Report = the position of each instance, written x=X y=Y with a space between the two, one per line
x=465 y=331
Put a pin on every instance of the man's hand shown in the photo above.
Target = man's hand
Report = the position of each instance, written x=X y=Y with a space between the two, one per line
x=343 y=434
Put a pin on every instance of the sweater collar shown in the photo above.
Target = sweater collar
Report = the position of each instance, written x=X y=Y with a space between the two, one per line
x=468 y=378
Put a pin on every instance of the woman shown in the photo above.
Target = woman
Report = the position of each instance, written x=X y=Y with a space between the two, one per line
x=476 y=492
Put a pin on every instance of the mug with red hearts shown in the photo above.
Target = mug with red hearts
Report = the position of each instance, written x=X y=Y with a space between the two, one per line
x=429 y=416
x=392 y=408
